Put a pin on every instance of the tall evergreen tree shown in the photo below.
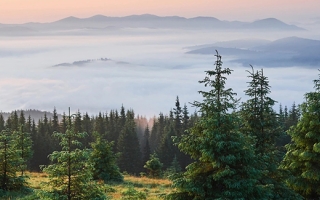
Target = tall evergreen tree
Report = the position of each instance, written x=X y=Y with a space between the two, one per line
x=55 y=121
x=70 y=176
x=2 y=123
x=14 y=121
x=64 y=123
x=146 y=146
x=28 y=127
x=22 y=119
x=87 y=126
x=224 y=161
x=261 y=123
x=303 y=153
x=24 y=146
x=10 y=161
x=128 y=147
x=99 y=125
x=167 y=151
x=178 y=118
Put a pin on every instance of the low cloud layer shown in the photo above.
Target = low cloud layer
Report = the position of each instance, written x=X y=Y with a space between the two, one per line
x=146 y=72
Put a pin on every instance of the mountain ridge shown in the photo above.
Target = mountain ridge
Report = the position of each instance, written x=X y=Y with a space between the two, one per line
x=154 y=21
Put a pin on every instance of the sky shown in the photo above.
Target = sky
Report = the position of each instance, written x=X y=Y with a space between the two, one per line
x=22 y=11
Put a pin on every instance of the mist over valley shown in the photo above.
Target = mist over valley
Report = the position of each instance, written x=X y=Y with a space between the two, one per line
x=144 y=61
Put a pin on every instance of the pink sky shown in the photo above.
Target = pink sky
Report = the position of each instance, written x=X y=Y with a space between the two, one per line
x=21 y=11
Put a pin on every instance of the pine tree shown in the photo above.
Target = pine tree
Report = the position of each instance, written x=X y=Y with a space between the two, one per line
x=104 y=161
x=22 y=119
x=24 y=146
x=28 y=127
x=146 y=147
x=303 y=153
x=87 y=126
x=63 y=124
x=10 y=161
x=70 y=175
x=14 y=121
x=224 y=161
x=261 y=123
x=153 y=166
x=55 y=121
x=2 y=123
x=99 y=125
x=128 y=147
x=167 y=151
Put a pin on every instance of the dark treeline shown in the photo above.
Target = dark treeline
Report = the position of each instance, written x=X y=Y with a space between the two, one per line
x=134 y=138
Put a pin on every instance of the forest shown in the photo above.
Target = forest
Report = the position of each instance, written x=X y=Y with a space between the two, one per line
x=227 y=149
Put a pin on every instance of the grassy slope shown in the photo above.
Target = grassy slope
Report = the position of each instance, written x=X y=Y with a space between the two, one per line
x=152 y=188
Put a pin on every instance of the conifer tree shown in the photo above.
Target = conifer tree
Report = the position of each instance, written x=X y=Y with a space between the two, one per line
x=2 y=123
x=153 y=166
x=64 y=123
x=260 y=122
x=128 y=146
x=167 y=150
x=303 y=153
x=10 y=161
x=22 y=119
x=99 y=125
x=146 y=147
x=28 y=127
x=70 y=175
x=224 y=161
x=55 y=121
x=104 y=161
x=14 y=121
x=24 y=146
x=87 y=126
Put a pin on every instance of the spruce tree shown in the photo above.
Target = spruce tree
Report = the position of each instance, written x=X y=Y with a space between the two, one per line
x=224 y=160
x=167 y=151
x=24 y=146
x=128 y=146
x=10 y=162
x=2 y=123
x=303 y=153
x=261 y=123
x=55 y=121
x=104 y=161
x=70 y=175
x=153 y=166
x=146 y=146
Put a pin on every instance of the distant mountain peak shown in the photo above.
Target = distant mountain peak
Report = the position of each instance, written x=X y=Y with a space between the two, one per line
x=69 y=19
x=271 y=23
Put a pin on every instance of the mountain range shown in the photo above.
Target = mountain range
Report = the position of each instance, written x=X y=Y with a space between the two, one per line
x=102 y=22
x=285 y=52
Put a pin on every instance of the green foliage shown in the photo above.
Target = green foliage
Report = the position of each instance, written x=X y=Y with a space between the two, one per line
x=70 y=175
x=224 y=160
x=10 y=162
x=303 y=153
x=24 y=145
x=132 y=194
x=128 y=146
x=154 y=166
x=173 y=169
x=259 y=121
x=104 y=161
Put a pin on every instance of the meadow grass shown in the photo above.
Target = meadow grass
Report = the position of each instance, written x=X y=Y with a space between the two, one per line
x=152 y=189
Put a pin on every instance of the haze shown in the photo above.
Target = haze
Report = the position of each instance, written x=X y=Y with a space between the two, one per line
x=22 y=11
x=143 y=62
